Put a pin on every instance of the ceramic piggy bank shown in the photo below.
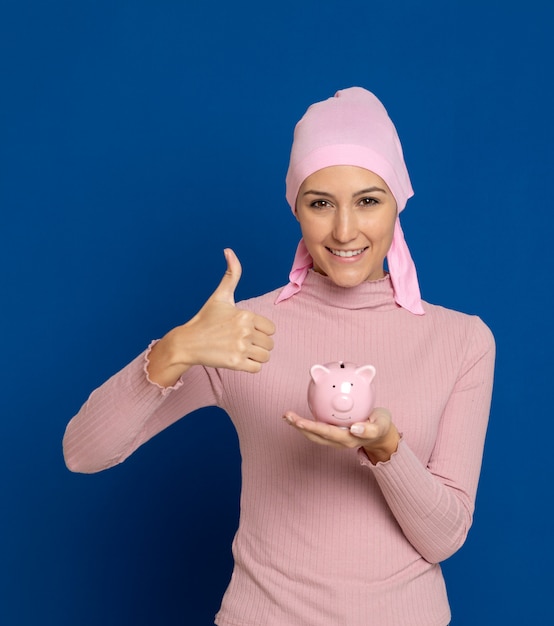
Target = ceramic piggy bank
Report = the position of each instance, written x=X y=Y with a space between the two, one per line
x=341 y=393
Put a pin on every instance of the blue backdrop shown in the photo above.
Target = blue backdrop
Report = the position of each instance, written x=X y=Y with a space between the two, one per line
x=137 y=139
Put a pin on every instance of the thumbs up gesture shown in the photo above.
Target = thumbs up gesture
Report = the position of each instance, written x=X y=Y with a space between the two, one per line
x=219 y=335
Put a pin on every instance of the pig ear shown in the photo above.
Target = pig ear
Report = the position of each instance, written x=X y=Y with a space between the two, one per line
x=367 y=372
x=317 y=372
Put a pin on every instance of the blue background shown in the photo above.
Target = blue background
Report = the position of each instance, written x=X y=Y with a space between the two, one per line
x=139 y=138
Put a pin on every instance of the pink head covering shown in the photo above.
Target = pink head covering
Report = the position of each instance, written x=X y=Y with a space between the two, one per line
x=353 y=128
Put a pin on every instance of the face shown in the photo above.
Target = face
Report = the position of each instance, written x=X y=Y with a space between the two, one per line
x=347 y=216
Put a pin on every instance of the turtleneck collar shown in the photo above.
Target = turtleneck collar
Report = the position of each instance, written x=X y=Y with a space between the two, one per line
x=374 y=295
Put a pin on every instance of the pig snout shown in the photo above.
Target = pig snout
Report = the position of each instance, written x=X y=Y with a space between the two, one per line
x=342 y=403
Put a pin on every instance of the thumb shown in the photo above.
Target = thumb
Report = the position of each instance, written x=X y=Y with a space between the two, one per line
x=377 y=423
x=226 y=289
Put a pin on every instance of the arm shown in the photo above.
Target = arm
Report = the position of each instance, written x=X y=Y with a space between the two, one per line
x=433 y=503
x=128 y=410
x=149 y=394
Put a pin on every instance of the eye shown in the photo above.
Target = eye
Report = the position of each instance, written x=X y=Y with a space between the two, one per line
x=320 y=204
x=369 y=201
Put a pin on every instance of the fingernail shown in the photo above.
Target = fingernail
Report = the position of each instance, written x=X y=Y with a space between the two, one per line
x=357 y=429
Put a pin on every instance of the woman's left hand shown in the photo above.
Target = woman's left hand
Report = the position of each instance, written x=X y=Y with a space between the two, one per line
x=378 y=435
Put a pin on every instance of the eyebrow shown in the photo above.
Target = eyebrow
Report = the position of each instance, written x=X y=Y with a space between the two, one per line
x=314 y=192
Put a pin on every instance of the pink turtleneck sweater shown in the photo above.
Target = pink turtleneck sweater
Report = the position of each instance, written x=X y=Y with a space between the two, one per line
x=325 y=537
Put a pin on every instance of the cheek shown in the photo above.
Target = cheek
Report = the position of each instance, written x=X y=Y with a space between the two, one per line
x=311 y=229
x=379 y=232
x=388 y=236
x=386 y=230
x=311 y=240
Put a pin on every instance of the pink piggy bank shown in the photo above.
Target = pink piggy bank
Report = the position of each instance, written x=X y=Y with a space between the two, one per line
x=341 y=393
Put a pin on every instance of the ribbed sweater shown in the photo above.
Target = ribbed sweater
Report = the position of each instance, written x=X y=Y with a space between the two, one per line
x=325 y=537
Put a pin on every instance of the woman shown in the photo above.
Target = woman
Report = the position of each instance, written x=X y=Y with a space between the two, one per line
x=350 y=531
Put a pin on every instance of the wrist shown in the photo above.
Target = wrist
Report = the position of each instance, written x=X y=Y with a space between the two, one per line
x=162 y=366
x=382 y=450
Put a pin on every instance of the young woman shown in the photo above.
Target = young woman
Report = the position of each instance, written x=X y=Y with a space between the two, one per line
x=338 y=526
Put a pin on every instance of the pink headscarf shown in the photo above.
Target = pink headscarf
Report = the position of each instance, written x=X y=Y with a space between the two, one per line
x=353 y=128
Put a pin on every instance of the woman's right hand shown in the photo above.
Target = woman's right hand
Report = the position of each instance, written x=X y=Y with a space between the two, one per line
x=219 y=335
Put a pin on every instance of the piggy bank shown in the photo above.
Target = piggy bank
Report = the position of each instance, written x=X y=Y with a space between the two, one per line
x=341 y=393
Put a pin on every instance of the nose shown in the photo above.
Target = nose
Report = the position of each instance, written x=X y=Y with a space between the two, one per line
x=342 y=402
x=346 y=226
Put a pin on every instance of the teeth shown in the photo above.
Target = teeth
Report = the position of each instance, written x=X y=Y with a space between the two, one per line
x=347 y=253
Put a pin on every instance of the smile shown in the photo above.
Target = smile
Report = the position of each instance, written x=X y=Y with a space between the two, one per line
x=346 y=253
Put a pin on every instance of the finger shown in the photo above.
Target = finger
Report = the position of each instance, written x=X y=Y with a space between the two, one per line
x=377 y=423
x=264 y=325
x=259 y=355
x=321 y=430
x=365 y=430
x=225 y=291
x=380 y=414
x=250 y=366
x=261 y=340
x=326 y=435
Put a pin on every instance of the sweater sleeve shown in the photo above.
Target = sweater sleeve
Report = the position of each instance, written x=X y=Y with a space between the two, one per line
x=128 y=410
x=434 y=504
